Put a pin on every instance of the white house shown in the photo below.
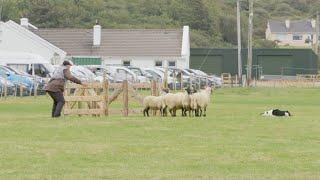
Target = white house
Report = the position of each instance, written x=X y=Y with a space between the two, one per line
x=17 y=38
x=292 y=33
x=135 y=47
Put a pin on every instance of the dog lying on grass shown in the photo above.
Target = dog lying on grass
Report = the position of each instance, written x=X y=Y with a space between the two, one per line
x=276 y=112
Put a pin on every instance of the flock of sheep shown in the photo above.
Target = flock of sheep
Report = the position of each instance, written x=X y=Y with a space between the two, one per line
x=189 y=101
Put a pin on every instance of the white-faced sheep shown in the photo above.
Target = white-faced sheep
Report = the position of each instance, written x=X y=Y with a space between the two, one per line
x=200 y=101
x=154 y=103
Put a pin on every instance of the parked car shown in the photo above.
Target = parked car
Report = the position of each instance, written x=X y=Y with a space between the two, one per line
x=100 y=73
x=122 y=73
x=9 y=85
x=39 y=80
x=204 y=77
x=156 y=75
x=16 y=78
x=142 y=77
x=114 y=73
x=26 y=62
x=83 y=73
x=162 y=72
x=118 y=73
x=173 y=79
x=185 y=74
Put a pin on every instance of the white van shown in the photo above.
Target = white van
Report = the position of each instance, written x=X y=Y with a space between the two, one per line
x=26 y=62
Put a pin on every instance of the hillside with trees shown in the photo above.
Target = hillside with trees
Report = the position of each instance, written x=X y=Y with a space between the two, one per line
x=212 y=22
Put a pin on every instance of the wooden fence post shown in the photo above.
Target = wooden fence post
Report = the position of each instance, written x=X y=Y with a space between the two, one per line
x=154 y=88
x=21 y=90
x=106 y=97
x=207 y=81
x=66 y=90
x=5 y=87
x=174 y=80
x=35 y=87
x=154 y=93
x=181 y=80
x=125 y=98
x=15 y=90
x=237 y=81
x=190 y=81
x=34 y=81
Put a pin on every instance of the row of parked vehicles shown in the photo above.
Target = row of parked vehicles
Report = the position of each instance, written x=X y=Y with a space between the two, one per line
x=14 y=77
x=17 y=82
x=141 y=75
x=30 y=72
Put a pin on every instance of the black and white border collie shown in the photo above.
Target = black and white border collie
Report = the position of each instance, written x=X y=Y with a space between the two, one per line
x=276 y=112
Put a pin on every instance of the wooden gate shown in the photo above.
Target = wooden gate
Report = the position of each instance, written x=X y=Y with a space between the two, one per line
x=86 y=100
x=94 y=99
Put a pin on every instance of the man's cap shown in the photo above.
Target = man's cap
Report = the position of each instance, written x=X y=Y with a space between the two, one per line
x=67 y=63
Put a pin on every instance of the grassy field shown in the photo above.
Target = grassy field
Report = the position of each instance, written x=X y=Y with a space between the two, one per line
x=233 y=142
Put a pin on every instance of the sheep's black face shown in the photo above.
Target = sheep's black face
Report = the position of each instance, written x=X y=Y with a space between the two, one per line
x=188 y=90
x=165 y=90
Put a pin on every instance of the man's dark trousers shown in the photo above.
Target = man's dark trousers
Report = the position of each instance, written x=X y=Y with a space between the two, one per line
x=58 y=102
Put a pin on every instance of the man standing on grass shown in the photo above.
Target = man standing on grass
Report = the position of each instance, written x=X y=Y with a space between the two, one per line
x=55 y=87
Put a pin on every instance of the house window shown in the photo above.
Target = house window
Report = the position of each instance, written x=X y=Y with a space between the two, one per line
x=126 y=63
x=158 y=63
x=311 y=36
x=281 y=37
x=172 y=63
x=297 y=37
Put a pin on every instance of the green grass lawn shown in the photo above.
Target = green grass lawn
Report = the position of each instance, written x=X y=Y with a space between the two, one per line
x=232 y=142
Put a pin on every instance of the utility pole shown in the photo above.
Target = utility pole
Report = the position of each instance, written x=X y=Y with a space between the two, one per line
x=1 y=9
x=317 y=34
x=239 y=41
x=249 y=63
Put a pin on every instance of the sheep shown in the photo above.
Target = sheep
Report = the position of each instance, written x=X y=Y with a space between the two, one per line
x=186 y=101
x=178 y=101
x=200 y=101
x=173 y=102
x=154 y=103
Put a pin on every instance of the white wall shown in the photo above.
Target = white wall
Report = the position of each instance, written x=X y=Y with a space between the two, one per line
x=17 y=40
x=185 y=49
x=146 y=62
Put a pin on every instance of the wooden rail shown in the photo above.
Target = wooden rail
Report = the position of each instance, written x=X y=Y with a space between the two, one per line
x=94 y=99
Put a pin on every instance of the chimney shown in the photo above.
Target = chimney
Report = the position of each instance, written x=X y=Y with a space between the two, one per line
x=288 y=24
x=313 y=23
x=24 y=22
x=97 y=34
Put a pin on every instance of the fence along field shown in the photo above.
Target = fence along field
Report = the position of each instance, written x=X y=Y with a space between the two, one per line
x=300 y=81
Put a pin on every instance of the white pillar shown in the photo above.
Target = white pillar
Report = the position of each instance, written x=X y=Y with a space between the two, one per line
x=185 y=49
x=97 y=35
